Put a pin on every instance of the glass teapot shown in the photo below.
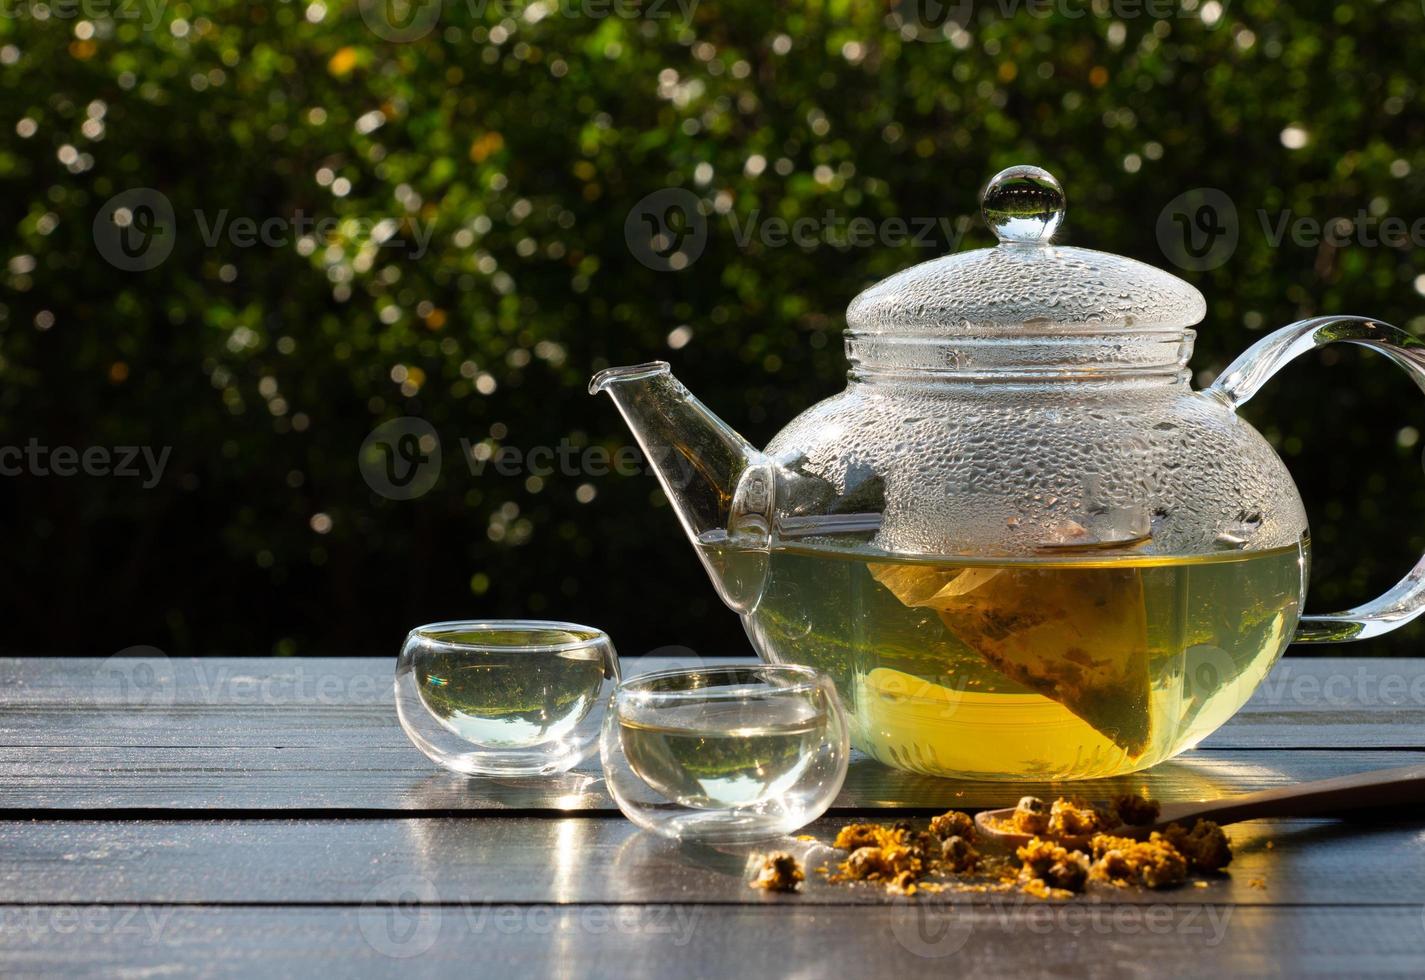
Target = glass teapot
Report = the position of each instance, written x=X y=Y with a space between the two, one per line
x=1019 y=541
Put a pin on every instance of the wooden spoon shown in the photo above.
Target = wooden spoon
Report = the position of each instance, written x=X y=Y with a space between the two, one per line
x=1365 y=790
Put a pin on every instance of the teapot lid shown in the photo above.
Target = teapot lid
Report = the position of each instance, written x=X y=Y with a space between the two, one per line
x=1026 y=282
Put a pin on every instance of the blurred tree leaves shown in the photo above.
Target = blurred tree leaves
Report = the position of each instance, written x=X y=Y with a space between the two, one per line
x=518 y=137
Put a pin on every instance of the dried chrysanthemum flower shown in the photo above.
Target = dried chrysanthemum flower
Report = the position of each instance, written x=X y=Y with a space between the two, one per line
x=1075 y=818
x=957 y=855
x=1101 y=844
x=1054 y=865
x=1115 y=866
x=1154 y=862
x=898 y=857
x=1071 y=873
x=1205 y=845
x=953 y=823
x=895 y=854
x=903 y=884
x=925 y=844
x=778 y=872
x=865 y=862
x=857 y=835
x=1031 y=815
x=1163 y=865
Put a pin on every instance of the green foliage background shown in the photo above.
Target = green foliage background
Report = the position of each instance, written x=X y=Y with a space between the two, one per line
x=524 y=141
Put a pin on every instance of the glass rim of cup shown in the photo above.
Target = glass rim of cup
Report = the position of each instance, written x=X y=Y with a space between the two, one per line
x=635 y=687
x=586 y=636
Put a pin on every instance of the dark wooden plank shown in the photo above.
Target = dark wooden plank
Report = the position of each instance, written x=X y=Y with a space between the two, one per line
x=154 y=700
x=338 y=780
x=709 y=941
x=243 y=701
x=152 y=681
x=272 y=734
x=591 y=860
x=150 y=678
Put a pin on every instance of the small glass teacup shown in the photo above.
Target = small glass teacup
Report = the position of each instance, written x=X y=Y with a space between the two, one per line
x=725 y=754
x=504 y=697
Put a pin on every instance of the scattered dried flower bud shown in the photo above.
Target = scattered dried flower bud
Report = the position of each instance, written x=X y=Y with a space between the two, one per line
x=1053 y=865
x=778 y=872
x=1154 y=862
x=1075 y=818
x=1205 y=845
x=953 y=823
x=1031 y=815
x=863 y=863
x=857 y=835
x=958 y=855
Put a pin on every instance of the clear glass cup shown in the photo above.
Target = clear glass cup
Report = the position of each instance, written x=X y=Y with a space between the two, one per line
x=725 y=754
x=504 y=697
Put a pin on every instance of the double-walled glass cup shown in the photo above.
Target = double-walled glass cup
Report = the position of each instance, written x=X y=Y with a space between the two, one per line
x=725 y=754
x=504 y=697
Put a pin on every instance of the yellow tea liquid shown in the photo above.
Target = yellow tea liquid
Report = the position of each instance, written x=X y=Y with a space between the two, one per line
x=1065 y=667
x=506 y=700
x=714 y=756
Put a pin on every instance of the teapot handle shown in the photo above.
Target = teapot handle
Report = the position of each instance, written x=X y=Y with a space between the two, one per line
x=1246 y=375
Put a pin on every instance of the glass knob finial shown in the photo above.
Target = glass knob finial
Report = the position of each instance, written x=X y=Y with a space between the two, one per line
x=1023 y=205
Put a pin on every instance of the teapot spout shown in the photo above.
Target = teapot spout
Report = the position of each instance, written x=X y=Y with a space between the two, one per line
x=720 y=485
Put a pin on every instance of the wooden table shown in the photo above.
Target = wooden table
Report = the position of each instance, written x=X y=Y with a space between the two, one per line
x=267 y=816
